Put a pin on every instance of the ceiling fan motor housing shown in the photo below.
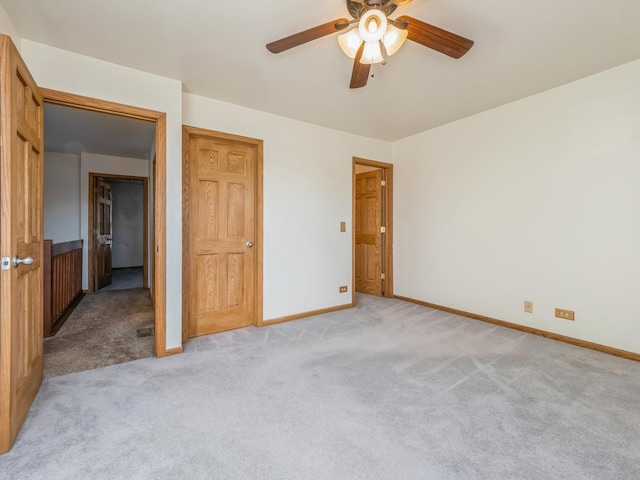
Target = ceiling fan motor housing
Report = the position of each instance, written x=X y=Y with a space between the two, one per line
x=357 y=7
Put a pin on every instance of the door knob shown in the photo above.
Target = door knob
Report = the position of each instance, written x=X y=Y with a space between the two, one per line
x=17 y=261
x=249 y=244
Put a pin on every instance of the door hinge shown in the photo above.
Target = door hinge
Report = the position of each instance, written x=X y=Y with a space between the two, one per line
x=6 y=263
x=383 y=229
x=383 y=183
x=382 y=277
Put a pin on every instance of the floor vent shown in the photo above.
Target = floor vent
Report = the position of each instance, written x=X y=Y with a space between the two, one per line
x=145 y=332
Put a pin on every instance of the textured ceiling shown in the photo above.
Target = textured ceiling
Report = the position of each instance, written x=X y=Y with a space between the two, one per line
x=216 y=49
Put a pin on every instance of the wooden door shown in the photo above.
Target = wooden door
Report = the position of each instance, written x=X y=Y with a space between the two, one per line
x=220 y=208
x=21 y=224
x=103 y=233
x=368 y=231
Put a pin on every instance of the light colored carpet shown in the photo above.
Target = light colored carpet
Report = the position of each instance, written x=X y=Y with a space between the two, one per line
x=388 y=390
x=101 y=331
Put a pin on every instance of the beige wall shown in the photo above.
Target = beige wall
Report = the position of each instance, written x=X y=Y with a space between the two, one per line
x=61 y=197
x=8 y=28
x=537 y=200
x=534 y=200
x=307 y=193
x=69 y=72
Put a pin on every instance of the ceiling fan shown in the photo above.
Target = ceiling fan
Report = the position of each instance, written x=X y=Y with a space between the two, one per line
x=375 y=35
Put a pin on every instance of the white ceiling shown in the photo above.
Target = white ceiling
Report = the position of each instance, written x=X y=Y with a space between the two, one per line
x=216 y=49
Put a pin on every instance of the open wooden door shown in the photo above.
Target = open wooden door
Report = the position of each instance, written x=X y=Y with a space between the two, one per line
x=103 y=233
x=368 y=229
x=21 y=225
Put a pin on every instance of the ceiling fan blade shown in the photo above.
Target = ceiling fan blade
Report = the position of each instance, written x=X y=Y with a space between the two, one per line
x=400 y=2
x=436 y=38
x=360 y=72
x=307 y=36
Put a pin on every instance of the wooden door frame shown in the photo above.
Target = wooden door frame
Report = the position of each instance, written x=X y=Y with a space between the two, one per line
x=187 y=134
x=387 y=252
x=159 y=193
x=92 y=247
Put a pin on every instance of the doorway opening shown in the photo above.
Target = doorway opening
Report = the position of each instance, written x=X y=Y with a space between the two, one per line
x=144 y=219
x=118 y=232
x=372 y=227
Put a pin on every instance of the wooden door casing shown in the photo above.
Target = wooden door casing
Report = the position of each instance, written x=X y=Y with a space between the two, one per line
x=103 y=231
x=21 y=290
x=222 y=232
x=368 y=232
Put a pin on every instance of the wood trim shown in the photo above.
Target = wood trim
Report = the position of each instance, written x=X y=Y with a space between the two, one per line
x=97 y=105
x=187 y=133
x=535 y=331
x=258 y=288
x=159 y=191
x=152 y=227
x=388 y=214
x=311 y=313
x=372 y=163
x=160 y=237
x=174 y=351
x=388 y=290
x=186 y=228
x=353 y=231
x=46 y=286
x=145 y=233
x=65 y=247
x=90 y=234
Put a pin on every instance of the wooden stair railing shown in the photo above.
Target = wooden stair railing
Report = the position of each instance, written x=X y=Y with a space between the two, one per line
x=62 y=289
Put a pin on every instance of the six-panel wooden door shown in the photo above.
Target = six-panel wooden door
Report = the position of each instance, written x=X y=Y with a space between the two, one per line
x=21 y=227
x=220 y=238
x=368 y=230
x=103 y=231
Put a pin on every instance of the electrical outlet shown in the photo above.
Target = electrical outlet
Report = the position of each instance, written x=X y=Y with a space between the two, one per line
x=343 y=289
x=528 y=306
x=565 y=314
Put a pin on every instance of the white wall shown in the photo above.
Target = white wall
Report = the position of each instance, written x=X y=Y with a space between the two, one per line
x=105 y=164
x=128 y=224
x=61 y=70
x=8 y=28
x=535 y=200
x=61 y=197
x=307 y=193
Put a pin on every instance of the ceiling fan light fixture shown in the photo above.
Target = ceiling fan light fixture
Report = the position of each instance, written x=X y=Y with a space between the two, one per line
x=394 y=38
x=372 y=53
x=350 y=42
x=372 y=25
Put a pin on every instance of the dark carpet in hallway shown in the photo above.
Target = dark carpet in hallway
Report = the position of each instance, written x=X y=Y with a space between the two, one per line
x=102 y=330
x=125 y=278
